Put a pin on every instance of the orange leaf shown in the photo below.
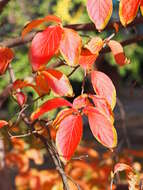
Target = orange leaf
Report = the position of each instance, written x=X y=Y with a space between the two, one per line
x=3 y=123
x=58 y=82
x=101 y=127
x=41 y=84
x=141 y=7
x=68 y=136
x=87 y=59
x=48 y=106
x=70 y=46
x=100 y=12
x=128 y=10
x=118 y=53
x=104 y=87
x=95 y=45
x=6 y=56
x=44 y=46
x=35 y=23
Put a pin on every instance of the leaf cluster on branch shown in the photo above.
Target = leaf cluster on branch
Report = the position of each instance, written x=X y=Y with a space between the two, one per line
x=65 y=43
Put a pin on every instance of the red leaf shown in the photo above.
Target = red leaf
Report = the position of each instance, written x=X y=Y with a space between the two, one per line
x=101 y=127
x=118 y=52
x=100 y=12
x=41 y=84
x=68 y=136
x=6 y=56
x=104 y=87
x=44 y=45
x=95 y=45
x=3 y=123
x=103 y=106
x=19 y=84
x=81 y=102
x=141 y=7
x=128 y=10
x=87 y=59
x=21 y=98
x=48 y=106
x=61 y=115
x=70 y=46
x=121 y=167
x=58 y=82
x=35 y=23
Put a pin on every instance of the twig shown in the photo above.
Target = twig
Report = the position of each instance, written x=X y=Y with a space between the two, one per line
x=22 y=135
x=74 y=69
x=83 y=83
x=13 y=42
x=11 y=73
x=72 y=180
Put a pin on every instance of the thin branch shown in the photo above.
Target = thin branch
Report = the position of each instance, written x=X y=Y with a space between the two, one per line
x=13 y=42
x=123 y=117
x=74 y=69
x=21 y=135
x=72 y=180
x=11 y=73
x=83 y=83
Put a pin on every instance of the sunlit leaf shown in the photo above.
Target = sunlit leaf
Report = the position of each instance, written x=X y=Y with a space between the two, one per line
x=118 y=53
x=44 y=46
x=103 y=106
x=36 y=23
x=3 y=123
x=101 y=127
x=61 y=115
x=128 y=10
x=6 y=56
x=100 y=12
x=48 y=106
x=95 y=45
x=68 y=136
x=87 y=59
x=58 y=82
x=104 y=87
x=70 y=46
